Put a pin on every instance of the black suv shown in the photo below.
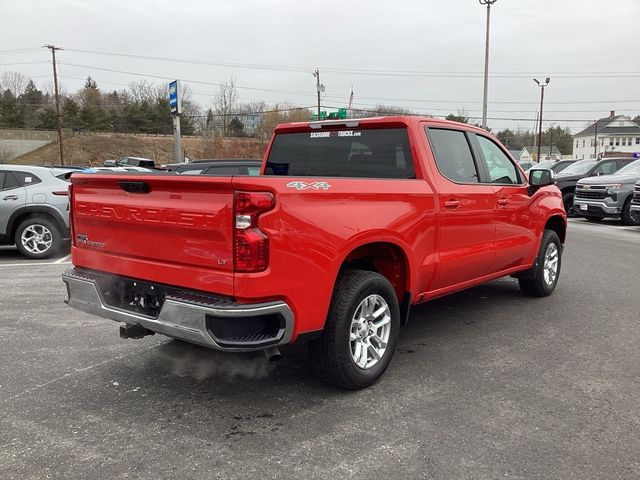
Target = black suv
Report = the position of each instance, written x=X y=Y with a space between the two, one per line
x=567 y=179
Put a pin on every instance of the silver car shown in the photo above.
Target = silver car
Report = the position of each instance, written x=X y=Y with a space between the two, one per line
x=34 y=209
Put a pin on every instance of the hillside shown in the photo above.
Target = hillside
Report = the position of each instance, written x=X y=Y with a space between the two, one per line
x=95 y=149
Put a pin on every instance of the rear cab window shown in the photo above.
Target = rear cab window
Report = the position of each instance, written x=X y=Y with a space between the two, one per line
x=366 y=153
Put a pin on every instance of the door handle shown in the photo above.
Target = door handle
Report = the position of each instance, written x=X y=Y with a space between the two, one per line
x=452 y=204
x=503 y=202
x=10 y=197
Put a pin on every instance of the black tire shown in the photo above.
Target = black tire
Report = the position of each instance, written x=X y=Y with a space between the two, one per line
x=331 y=354
x=51 y=238
x=591 y=218
x=567 y=199
x=538 y=286
x=627 y=217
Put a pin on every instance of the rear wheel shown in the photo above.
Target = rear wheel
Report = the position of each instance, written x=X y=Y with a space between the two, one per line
x=361 y=331
x=548 y=271
x=38 y=237
x=627 y=217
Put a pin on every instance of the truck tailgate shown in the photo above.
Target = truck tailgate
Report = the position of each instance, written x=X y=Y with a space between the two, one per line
x=169 y=229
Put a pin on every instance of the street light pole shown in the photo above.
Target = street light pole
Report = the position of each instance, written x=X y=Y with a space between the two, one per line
x=488 y=3
x=541 y=85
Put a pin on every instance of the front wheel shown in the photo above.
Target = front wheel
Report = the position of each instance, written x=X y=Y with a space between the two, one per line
x=549 y=261
x=360 y=333
x=627 y=217
x=567 y=199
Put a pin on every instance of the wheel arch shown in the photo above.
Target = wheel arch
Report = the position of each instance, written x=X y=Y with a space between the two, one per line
x=557 y=224
x=22 y=214
x=388 y=259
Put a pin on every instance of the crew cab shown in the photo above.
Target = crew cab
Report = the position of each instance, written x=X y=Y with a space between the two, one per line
x=350 y=223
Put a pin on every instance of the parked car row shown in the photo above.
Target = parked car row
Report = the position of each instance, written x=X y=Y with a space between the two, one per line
x=567 y=179
x=609 y=196
x=597 y=189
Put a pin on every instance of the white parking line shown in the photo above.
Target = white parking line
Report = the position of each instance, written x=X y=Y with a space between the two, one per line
x=62 y=260
x=23 y=264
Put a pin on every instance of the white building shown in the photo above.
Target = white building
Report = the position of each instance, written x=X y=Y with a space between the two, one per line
x=615 y=133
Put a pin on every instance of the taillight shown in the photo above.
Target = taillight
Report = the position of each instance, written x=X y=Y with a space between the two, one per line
x=251 y=245
x=71 y=234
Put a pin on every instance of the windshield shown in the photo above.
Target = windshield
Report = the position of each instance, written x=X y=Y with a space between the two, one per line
x=631 y=169
x=543 y=165
x=579 y=168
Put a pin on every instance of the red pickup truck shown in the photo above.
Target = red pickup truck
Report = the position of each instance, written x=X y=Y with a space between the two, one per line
x=350 y=223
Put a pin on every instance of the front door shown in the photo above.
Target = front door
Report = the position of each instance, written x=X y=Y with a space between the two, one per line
x=467 y=210
x=515 y=238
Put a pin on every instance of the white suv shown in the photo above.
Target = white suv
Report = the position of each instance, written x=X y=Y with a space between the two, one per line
x=34 y=209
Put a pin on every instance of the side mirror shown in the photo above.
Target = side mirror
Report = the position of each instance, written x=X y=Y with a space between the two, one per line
x=541 y=177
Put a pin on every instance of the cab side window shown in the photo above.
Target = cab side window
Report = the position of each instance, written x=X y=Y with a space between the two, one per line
x=453 y=155
x=501 y=169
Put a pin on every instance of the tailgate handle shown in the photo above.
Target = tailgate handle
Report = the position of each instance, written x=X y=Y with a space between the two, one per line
x=134 y=187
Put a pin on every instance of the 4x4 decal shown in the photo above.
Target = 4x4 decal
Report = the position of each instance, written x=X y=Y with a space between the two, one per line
x=306 y=186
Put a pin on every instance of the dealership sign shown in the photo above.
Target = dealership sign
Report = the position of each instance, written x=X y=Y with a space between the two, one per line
x=175 y=105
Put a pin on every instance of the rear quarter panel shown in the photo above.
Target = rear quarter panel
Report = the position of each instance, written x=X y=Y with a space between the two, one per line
x=313 y=231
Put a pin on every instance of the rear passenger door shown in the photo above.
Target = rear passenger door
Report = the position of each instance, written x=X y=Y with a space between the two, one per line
x=467 y=209
x=514 y=234
x=12 y=197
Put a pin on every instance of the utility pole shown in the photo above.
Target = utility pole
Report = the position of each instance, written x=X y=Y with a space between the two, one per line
x=319 y=88
x=488 y=3
x=595 y=144
x=541 y=85
x=57 y=97
x=551 y=139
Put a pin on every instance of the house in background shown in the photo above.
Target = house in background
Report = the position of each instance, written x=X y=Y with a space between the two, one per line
x=615 y=133
x=529 y=154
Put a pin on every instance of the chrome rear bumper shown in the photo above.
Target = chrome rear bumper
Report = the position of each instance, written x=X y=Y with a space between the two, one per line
x=191 y=318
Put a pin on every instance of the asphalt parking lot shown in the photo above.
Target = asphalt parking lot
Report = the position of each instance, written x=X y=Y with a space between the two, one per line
x=485 y=384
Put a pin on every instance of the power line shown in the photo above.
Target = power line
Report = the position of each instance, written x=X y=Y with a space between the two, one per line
x=23 y=63
x=458 y=102
x=20 y=50
x=361 y=71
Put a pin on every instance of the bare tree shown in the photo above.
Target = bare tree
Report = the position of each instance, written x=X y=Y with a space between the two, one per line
x=143 y=91
x=381 y=110
x=15 y=82
x=225 y=100
x=281 y=113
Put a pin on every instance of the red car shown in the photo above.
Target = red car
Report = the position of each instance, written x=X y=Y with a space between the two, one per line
x=350 y=223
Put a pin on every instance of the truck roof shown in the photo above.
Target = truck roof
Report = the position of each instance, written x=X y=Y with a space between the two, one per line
x=399 y=120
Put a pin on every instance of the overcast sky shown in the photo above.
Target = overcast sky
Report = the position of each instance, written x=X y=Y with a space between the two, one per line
x=425 y=55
